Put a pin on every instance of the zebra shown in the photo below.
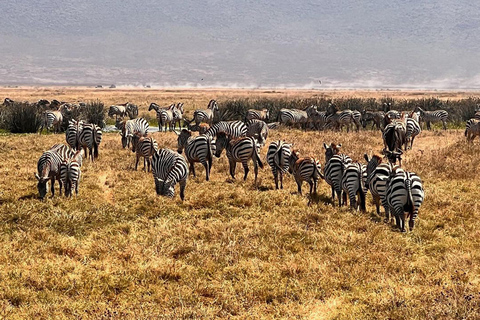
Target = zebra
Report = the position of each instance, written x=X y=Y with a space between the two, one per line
x=477 y=112
x=130 y=127
x=318 y=119
x=257 y=129
x=405 y=194
x=168 y=168
x=433 y=116
x=378 y=174
x=164 y=115
x=393 y=114
x=353 y=184
x=8 y=102
x=278 y=155
x=131 y=110
x=70 y=173
x=117 y=110
x=234 y=129
x=333 y=174
x=394 y=138
x=51 y=119
x=263 y=114
x=68 y=152
x=340 y=118
x=143 y=147
x=413 y=129
x=472 y=129
x=90 y=137
x=197 y=149
x=376 y=117
x=331 y=150
x=273 y=125
x=73 y=132
x=292 y=117
x=178 y=115
x=357 y=119
x=305 y=169
x=239 y=150
x=206 y=115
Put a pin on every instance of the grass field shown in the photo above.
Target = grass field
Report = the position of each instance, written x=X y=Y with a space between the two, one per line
x=231 y=250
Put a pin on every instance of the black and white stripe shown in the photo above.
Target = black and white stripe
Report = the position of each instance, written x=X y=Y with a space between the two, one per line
x=292 y=117
x=169 y=168
x=472 y=129
x=333 y=174
x=52 y=119
x=257 y=129
x=117 y=111
x=433 y=116
x=353 y=184
x=178 y=115
x=405 y=194
x=477 y=112
x=130 y=127
x=263 y=114
x=206 y=115
x=234 y=129
x=143 y=147
x=306 y=169
x=90 y=137
x=166 y=118
x=239 y=150
x=70 y=173
x=278 y=156
x=73 y=132
x=197 y=149
x=413 y=129
x=375 y=117
x=339 y=119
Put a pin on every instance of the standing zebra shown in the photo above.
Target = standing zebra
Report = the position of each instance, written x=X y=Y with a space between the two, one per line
x=164 y=115
x=433 y=116
x=206 y=115
x=413 y=129
x=353 y=184
x=263 y=114
x=90 y=137
x=394 y=138
x=168 y=168
x=234 y=129
x=278 y=155
x=239 y=150
x=376 y=117
x=70 y=173
x=292 y=117
x=339 y=119
x=305 y=169
x=197 y=149
x=73 y=132
x=178 y=115
x=130 y=127
x=405 y=194
x=378 y=175
x=117 y=111
x=143 y=147
x=331 y=150
x=257 y=129
x=333 y=174
x=472 y=129
x=51 y=119
x=131 y=110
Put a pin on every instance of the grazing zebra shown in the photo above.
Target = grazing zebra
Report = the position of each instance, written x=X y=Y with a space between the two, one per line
x=257 y=129
x=52 y=119
x=278 y=155
x=305 y=169
x=73 y=132
x=433 y=116
x=239 y=150
x=472 y=129
x=178 y=115
x=130 y=127
x=376 y=117
x=117 y=111
x=143 y=147
x=292 y=117
x=394 y=138
x=405 y=194
x=234 y=129
x=333 y=174
x=413 y=129
x=378 y=175
x=353 y=184
x=206 y=115
x=197 y=149
x=257 y=114
x=168 y=168
x=70 y=173
x=90 y=137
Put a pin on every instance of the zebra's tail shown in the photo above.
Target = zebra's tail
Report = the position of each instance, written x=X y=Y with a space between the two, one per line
x=209 y=153
x=318 y=169
x=95 y=144
x=255 y=154
x=361 y=193
x=277 y=155
x=410 y=203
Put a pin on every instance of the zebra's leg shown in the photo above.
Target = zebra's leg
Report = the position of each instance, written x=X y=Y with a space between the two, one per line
x=333 y=194
x=444 y=125
x=207 y=169
x=342 y=198
x=376 y=200
x=245 y=169
x=192 y=168
x=149 y=161
x=137 y=158
x=353 y=200
x=281 y=180
x=315 y=182
x=255 y=170
x=275 y=177
x=299 y=185
x=52 y=187
x=428 y=125
x=183 y=184
x=411 y=222
x=233 y=166
x=311 y=183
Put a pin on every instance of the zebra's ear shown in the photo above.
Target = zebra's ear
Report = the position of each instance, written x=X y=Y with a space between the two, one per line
x=325 y=146
x=366 y=157
x=37 y=176
x=339 y=145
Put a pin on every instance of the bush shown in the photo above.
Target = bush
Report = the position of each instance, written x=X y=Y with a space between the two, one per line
x=20 y=118
x=94 y=112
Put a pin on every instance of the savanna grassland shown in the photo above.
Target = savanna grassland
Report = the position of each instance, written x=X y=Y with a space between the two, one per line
x=232 y=250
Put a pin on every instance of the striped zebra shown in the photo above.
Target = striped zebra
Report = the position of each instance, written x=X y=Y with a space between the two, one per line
x=257 y=129
x=318 y=119
x=353 y=184
x=378 y=175
x=131 y=110
x=234 y=129
x=393 y=114
x=273 y=125
x=90 y=137
x=68 y=152
x=375 y=117
x=305 y=169
x=433 y=116
x=206 y=115
x=292 y=117
x=70 y=173
x=472 y=129
x=278 y=155
x=339 y=119
x=8 y=102
x=164 y=115
x=197 y=149
x=331 y=150
x=51 y=119
x=394 y=138
x=169 y=168
x=143 y=147
x=413 y=129
x=130 y=127
x=333 y=174
x=239 y=150
x=405 y=194
x=477 y=112
x=73 y=132
x=263 y=115
x=178 y=115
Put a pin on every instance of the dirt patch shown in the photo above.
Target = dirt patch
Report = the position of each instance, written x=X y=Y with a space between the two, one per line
x=103 y=183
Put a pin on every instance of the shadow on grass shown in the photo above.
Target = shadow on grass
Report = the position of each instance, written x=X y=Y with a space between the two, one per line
x=29 y=196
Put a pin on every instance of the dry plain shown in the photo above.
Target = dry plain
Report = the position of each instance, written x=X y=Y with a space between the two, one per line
x=232 y=250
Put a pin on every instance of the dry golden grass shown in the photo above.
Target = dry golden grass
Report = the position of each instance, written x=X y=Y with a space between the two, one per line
x=231 y=250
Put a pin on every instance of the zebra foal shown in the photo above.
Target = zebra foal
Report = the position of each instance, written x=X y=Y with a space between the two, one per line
x=143 y=147
x=306 y=169
x=197 y=149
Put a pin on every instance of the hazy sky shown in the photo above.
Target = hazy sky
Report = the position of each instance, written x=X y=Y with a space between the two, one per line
x=345 y=43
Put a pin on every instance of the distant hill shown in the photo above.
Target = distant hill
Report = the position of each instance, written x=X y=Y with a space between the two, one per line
x=246 y=43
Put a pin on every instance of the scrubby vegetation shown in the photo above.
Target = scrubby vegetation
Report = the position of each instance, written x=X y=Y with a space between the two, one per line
x=20 y=118
x=94 y=112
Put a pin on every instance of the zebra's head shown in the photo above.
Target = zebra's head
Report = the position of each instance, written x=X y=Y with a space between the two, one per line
x=294 y=156
x=392 y=156
x=221 y=143
x=154 y=106
x=331 y=150
x=164 y=188
x=135 y=140
x=42 y=185
x=213 y=105
x=182 y=139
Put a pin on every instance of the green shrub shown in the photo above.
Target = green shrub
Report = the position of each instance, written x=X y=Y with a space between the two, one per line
x=20 y=118
x=94 y=112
